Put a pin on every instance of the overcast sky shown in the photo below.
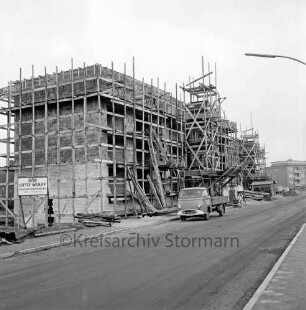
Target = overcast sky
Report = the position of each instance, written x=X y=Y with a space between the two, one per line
x=168 y=39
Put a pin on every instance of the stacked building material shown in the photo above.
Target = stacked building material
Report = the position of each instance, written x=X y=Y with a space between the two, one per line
x=97 y=219
x=255 y=195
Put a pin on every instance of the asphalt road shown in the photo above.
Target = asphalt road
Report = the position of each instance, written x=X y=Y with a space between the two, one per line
x=177 y=270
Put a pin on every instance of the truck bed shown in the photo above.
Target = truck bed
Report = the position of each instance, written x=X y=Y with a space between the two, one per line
x=216 y=200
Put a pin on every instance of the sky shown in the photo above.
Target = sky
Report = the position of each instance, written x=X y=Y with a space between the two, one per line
x=168 y=39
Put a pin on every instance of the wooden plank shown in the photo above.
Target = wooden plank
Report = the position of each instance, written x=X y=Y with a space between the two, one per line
x=7 y=209
x=134 y=120
x=154 y=192
x=85 y=120
x=33 y=138
x=151 y=127
x=200 y=78
x=143 y=133
x=89 y=202
x=19 y=139
x=141 y=194
x=105 y=128
x=73 y=140
x=159 y=185
x=133 y=194
x=58 y=147
x=46 y=143
x=8 y=149
x=114 y=140
x=124 y=145
x=171 y=146
x=54 y=232
x=99 y=138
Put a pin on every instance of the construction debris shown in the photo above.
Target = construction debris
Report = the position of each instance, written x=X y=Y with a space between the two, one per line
x=255 y=195
x=7 y=238
x=53 y=232
x=97 y=219
x=4 y=241
x=145 y=205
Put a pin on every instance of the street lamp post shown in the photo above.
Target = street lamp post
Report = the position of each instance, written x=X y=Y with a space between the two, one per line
x=274 y=56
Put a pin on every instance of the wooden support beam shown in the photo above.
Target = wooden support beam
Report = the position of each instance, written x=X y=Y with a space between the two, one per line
x=153 y=188
x=100 y=139
x=159 y=185
x=7 y=209
x=35 y=209
x=85 y=120
x=73 y=153
x=114 y=141
x=92 y=199
x=58 y=145
x=200 y=78
x=104 y=128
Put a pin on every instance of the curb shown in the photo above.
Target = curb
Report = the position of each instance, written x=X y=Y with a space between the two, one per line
x=251 y=303
x=59 y=244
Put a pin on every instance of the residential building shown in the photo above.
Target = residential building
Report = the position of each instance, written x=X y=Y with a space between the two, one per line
x=289 y=173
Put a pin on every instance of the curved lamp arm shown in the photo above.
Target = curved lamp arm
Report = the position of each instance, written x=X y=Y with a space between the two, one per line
x=274 y=56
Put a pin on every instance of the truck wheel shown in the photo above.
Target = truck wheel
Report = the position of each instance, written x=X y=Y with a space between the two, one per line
x=183 y=218
x=206 y=216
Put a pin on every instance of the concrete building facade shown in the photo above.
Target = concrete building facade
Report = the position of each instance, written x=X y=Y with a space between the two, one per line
x=289 y=173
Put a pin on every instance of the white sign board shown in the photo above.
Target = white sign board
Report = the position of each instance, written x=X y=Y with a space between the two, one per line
x=32 y=186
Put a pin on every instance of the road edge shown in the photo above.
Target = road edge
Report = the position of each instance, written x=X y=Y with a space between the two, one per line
x=59 y=244
x=251 y=303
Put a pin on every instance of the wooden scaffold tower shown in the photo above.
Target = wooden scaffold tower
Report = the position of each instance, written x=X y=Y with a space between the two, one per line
x=211 y=139
x=253 y=154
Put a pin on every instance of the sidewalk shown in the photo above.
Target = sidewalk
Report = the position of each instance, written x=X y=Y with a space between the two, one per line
x=285 y=286
x=47 y=242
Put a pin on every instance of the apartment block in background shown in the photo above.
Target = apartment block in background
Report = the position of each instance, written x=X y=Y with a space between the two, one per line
x=289 y=173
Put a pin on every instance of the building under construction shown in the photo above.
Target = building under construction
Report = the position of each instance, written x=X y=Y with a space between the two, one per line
x=104 y=139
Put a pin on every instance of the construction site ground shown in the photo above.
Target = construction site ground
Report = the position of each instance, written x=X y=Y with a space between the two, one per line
x=169 y=277
x=31 y=244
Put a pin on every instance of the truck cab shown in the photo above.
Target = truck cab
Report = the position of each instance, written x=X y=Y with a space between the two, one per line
x=196 y=202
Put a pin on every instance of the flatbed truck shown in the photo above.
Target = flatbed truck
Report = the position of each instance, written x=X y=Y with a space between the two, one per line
x=196 y=202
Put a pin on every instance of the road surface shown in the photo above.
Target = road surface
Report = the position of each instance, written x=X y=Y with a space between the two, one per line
x=186 y=265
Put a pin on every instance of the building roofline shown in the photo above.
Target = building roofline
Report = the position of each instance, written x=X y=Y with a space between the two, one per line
x=288 y=162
